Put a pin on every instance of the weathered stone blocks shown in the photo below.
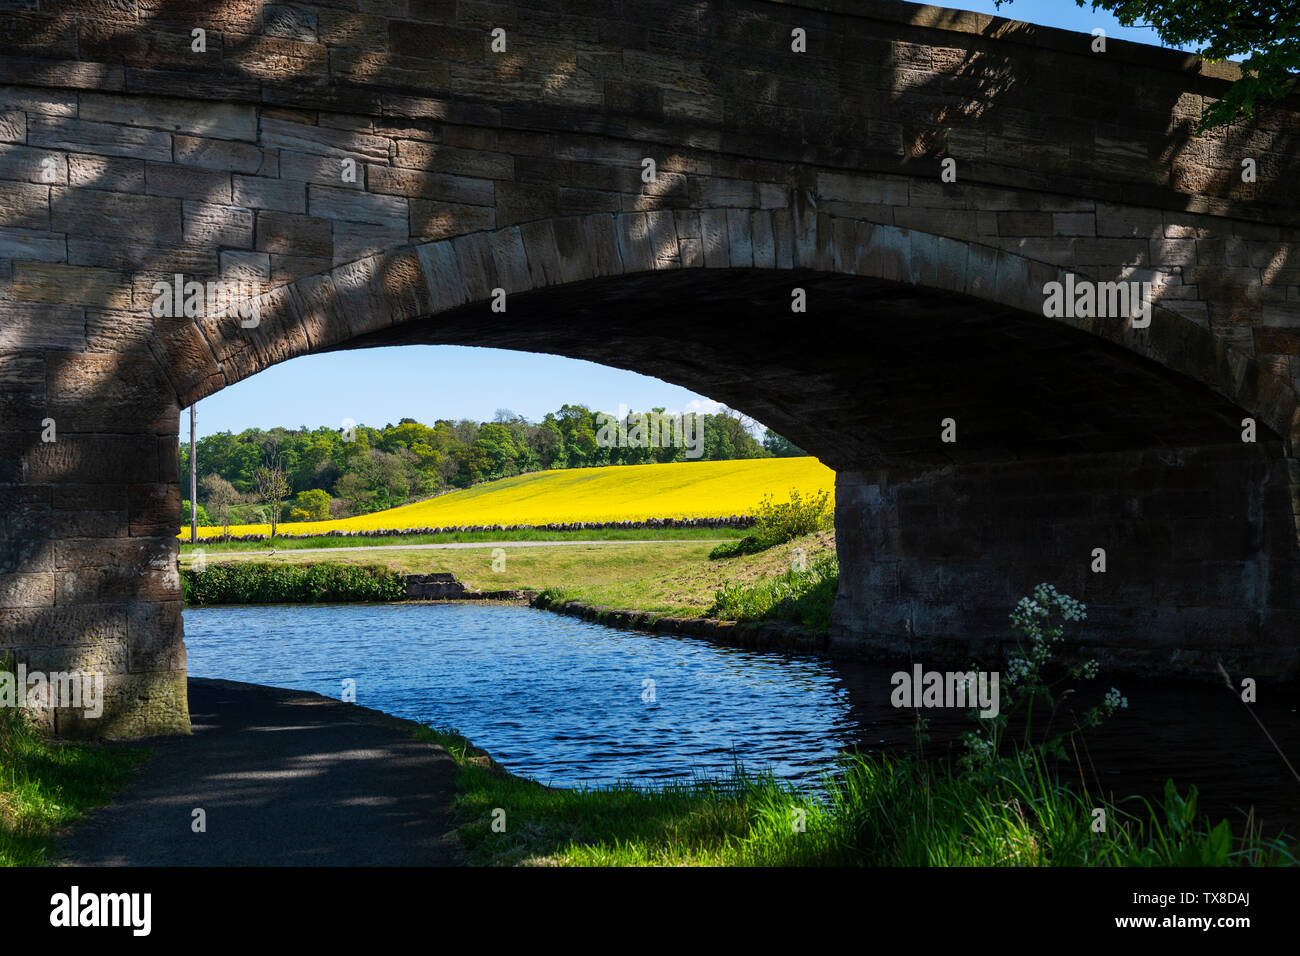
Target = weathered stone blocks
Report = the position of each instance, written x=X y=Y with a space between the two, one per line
x=126 y=157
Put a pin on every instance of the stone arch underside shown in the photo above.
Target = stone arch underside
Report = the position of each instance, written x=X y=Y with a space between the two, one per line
x=124 y=159
x=1073 y=435
x=1069 y=437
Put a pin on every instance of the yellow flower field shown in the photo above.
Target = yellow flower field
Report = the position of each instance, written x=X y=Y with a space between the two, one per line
x=703 y=489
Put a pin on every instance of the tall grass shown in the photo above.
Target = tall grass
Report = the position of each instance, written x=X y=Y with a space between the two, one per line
x=871 y=811
x=803 y=597
x=46 y=785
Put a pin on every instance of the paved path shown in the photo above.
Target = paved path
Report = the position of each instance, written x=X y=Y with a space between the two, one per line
x=464 y=544
x=286 y=778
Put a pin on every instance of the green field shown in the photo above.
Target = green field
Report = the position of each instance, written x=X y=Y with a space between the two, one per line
x=673 y=577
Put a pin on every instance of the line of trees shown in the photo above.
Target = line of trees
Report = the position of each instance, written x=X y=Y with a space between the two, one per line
x=306 y=474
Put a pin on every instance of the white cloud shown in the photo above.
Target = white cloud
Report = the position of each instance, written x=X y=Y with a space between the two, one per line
x=705 y=406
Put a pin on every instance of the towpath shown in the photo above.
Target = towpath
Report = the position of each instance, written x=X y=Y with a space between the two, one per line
x=285 y=778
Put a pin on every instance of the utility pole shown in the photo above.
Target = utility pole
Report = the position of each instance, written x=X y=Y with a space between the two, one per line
x=194 y=477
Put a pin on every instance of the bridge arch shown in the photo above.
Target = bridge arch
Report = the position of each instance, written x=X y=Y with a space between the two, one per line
x=370 y=299
x=126 y=157
x=924 y=562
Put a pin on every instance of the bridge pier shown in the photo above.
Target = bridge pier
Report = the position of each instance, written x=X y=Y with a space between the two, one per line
x=89 y=583
x=1200 y=559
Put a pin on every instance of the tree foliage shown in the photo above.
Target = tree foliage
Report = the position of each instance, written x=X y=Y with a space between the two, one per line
x=332 y=473
x=1263 y=34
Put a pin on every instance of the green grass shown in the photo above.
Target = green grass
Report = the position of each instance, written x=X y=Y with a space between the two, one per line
x=672 y=577
x=804 y=597
x=897 y=811
x=48 y=785
x=455 y=537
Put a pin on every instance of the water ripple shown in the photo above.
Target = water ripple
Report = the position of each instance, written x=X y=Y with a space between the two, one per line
x=551 y=697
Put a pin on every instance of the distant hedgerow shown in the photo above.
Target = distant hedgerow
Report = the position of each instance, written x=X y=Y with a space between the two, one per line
x=266 y=583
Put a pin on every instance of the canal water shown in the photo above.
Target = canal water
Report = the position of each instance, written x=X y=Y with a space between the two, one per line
x=568 y=702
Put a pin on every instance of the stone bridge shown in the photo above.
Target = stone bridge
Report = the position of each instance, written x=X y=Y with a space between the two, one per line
x=377 y=168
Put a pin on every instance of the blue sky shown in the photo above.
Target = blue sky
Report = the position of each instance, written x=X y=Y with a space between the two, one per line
x=377 y=386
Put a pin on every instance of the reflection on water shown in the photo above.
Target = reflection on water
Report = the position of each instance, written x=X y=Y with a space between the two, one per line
x=551 y=697
x=568 y=702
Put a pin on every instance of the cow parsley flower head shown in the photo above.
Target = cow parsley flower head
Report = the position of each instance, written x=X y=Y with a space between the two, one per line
x=1017 y=669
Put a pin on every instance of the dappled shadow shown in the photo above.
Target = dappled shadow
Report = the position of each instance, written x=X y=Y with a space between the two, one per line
x=285 y=778
x=462 y=142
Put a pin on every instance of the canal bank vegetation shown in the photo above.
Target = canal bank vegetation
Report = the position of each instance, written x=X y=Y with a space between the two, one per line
x=1011 y=799
x=665 y=577
x=753 y=587
x=802 y=595
x=278 y=583
x=778 y=522
x=873 y=811
x=47 y=785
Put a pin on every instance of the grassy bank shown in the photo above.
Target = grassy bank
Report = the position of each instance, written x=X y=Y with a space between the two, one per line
x=874 y=812
x=664 y=577
x=747 y=587
x=47 y=785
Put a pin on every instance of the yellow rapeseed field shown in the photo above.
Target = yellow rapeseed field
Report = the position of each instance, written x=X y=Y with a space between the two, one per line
x=695 y=489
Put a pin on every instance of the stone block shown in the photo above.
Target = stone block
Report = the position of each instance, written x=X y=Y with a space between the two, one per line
x=395 y=181
x=439 y=220
x=91 y=212
x=516 y=203
x=328 y=202
x=187 y=182
x=305 y=138
x=214 y=120
x=442 y=158
x=356 y=240
x=106 y=172
x=19 y=590
x=25 y=206
x=210 y=225
x=107 y=139
x=714 y=238
x=60 y=283
x=442 y=275
x=277 y=195
x=33 y=245
x=294 y=235
x=30 y=165
x=227 y=156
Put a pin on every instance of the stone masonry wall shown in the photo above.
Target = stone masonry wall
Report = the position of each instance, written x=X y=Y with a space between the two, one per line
x=128 y=155
x=1196 y=572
